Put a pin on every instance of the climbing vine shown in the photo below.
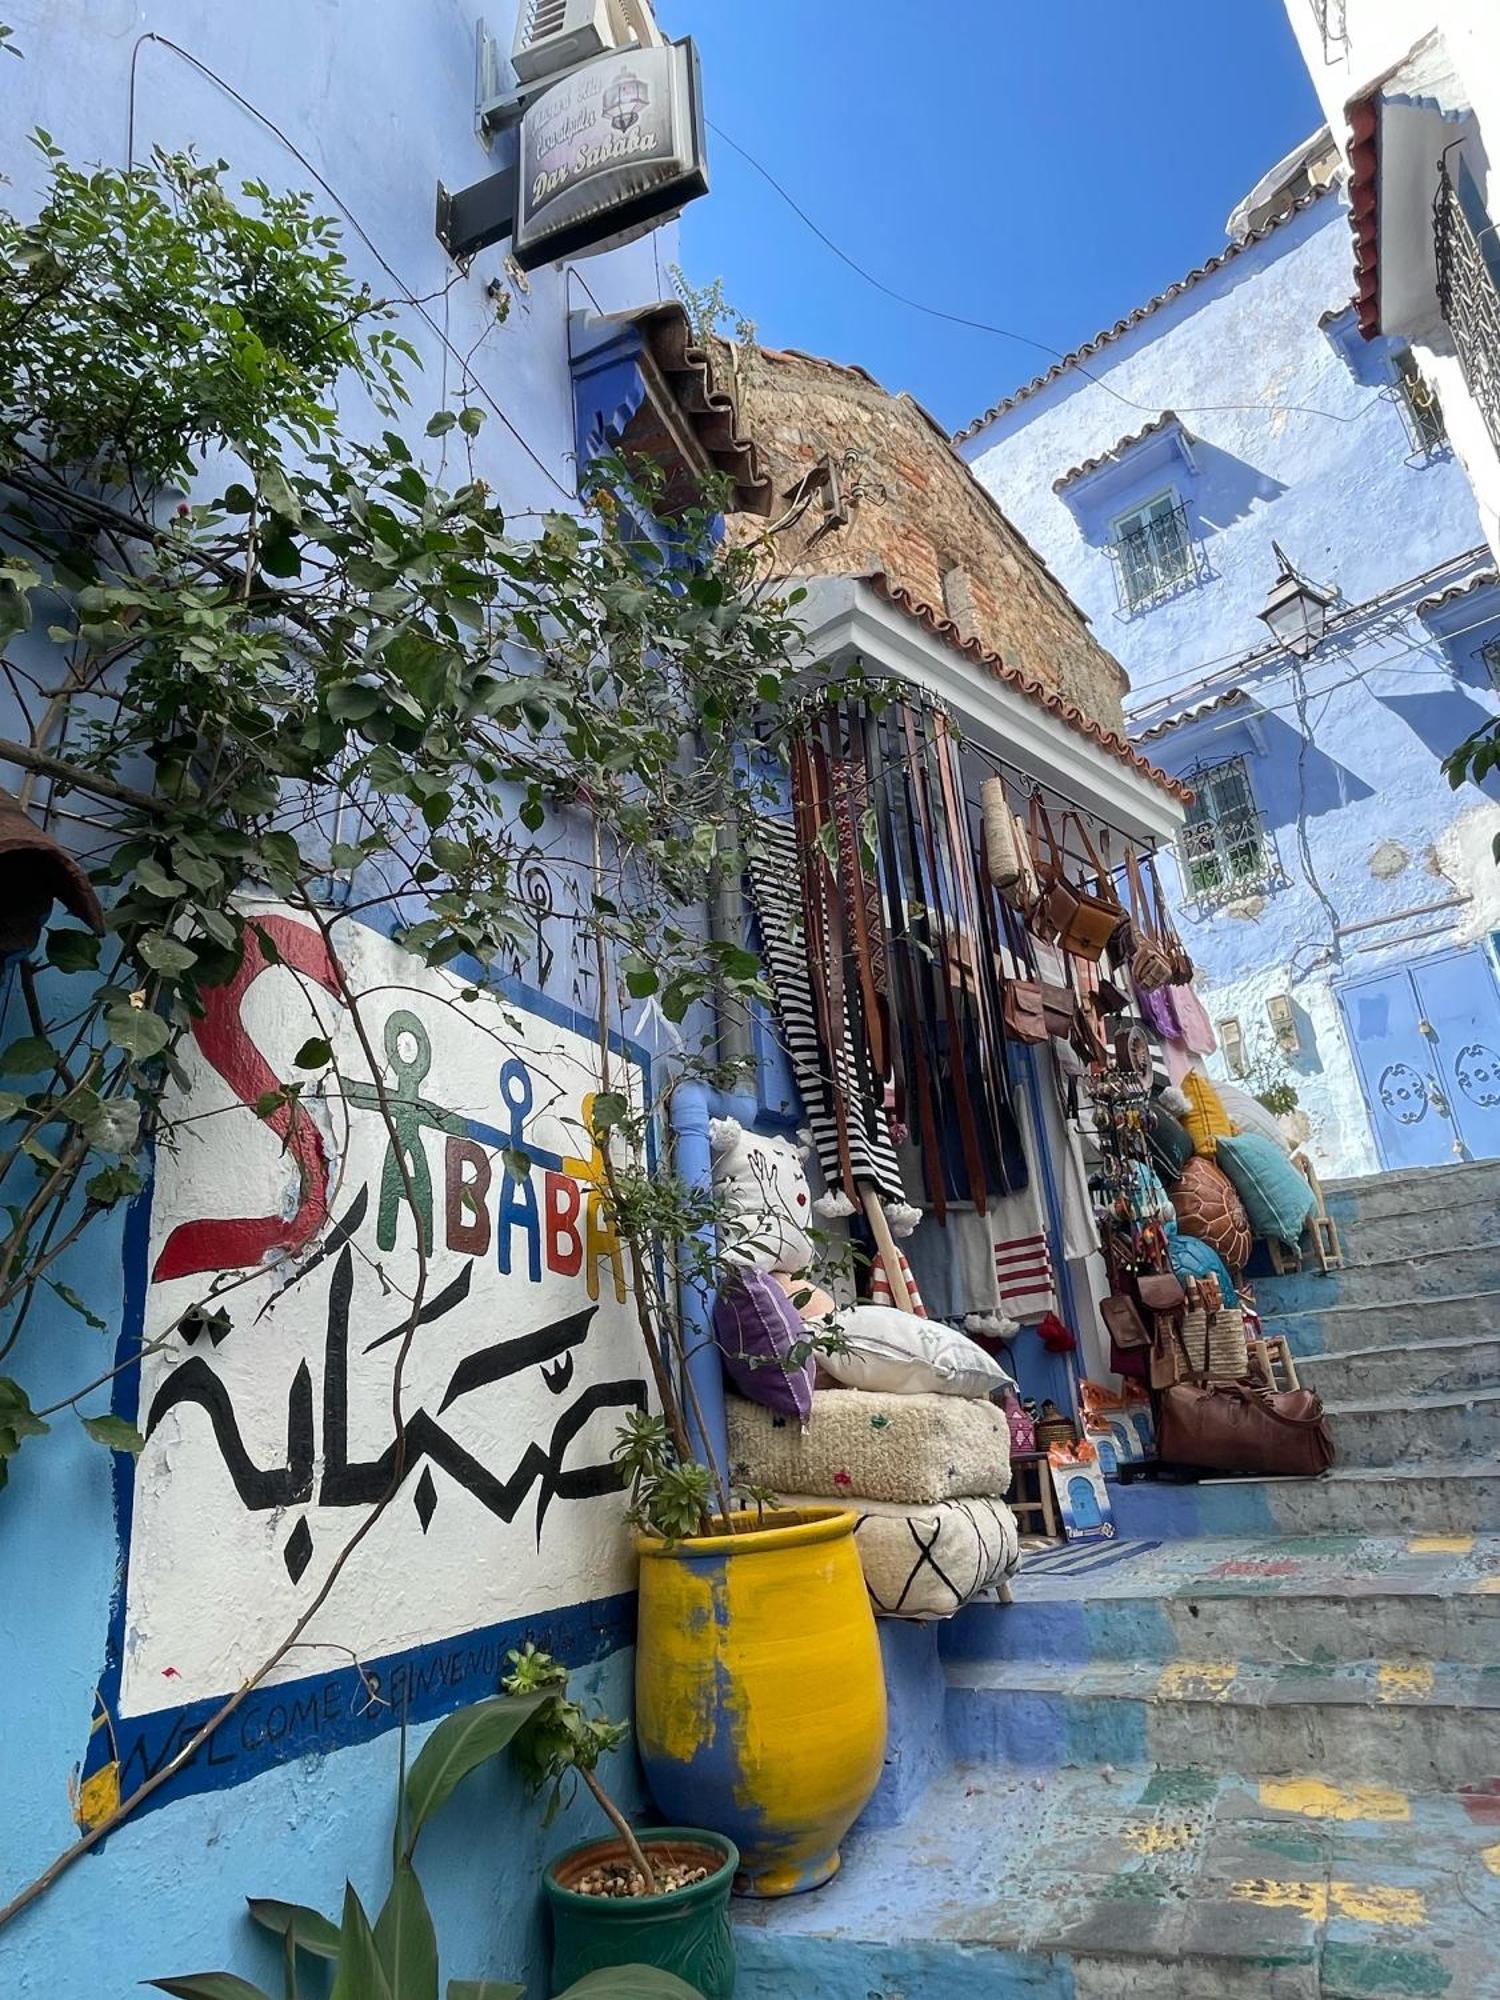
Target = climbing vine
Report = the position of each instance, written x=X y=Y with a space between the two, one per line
x=263 y=651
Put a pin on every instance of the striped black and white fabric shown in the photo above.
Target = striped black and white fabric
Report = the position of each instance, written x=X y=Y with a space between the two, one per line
x=776 y=894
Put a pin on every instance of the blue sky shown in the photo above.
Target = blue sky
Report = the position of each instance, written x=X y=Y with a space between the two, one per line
x=1044 y=168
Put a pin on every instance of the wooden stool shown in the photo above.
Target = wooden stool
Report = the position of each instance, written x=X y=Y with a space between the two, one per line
x=1031 y=1492
x=1320 y=1225
x=1272 y=1362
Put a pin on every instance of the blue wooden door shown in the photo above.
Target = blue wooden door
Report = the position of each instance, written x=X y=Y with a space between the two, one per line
x=1426 y=1043
x=1460 y=1021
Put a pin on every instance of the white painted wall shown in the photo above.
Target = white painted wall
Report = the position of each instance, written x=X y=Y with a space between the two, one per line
x=1378 y=35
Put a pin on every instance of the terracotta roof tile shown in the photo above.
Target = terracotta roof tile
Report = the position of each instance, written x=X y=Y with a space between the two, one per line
x=1230 y=698
x=1067 y=712
x=711 y=411
x=1120 y=445
x=1364 y=181
x=1132 y=319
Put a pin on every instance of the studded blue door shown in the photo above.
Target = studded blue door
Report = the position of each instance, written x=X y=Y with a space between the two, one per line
x=1427 y=1044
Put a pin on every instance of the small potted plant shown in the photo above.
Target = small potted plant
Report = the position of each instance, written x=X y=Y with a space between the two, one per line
x=658 y=1898
x=396 y=1957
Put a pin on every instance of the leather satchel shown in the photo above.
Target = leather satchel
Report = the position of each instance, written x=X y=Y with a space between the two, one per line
x=1024 y=1012
x=1161 y=1291
x=1081 y=921
x=1150 y=961
x=1227 y=1427
x=1122 y=1317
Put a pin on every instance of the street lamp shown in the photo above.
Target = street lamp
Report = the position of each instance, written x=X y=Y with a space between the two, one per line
x=1296 y=611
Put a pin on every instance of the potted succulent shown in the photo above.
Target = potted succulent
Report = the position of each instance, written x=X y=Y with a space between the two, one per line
x=396 y=1957
x=658 y=1897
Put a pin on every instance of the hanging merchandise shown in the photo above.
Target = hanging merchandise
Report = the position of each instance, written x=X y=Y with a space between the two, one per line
x=1002 y=850
x=844 y=1105
x=1176 y=950
x=1195 y=1030
x=1151 y=962
x=1082 y=920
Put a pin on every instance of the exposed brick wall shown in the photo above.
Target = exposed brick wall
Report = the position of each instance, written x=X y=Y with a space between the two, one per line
x=917 y=513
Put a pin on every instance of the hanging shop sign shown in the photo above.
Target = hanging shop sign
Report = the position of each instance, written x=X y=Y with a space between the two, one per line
x=608 y=152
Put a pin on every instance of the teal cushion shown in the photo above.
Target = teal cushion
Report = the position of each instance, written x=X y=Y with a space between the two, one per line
x=1191 y=1257
x=1170 y=1141
x=1277 y=1199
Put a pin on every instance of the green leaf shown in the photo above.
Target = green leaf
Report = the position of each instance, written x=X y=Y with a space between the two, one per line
x=27 y=1057
x=360 y=1974
x=17 y=1419
x=116 y=1433
x=631 y=1982
x=238 y=499
x=280 y=556
x=347 y=701
x=314 y=1053
x=405 y=1939
x=469 y=421
x=154 y=879
x=137 y=1030
x=308 y=1929
x=73 y=951
x=442 y=422
x=609 y=1108
x=112 y=1184
x=209 y=1986
x=460 y=1743
x=74 y=1303
x=166 y=954
x=112 y=1124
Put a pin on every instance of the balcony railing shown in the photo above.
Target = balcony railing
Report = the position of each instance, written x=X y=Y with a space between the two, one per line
x=1156 y=560
x=1469 y=289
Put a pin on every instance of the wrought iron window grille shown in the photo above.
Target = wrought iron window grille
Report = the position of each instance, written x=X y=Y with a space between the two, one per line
x=1156 y=559
x=1225 y=852
x=1489 y=659
x=1468 y=287
x=1421 y=412
x=1333 y=25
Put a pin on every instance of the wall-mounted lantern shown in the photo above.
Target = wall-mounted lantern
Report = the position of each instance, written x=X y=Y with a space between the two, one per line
x=1283 y=1018
x=1232 y=1042
x=1296 y=611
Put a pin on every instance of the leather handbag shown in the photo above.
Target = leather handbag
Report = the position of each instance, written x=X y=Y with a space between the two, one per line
x=1177 y=952
x=1150 y=960
x=1162 y=1295
x=1161 y=1292
x=1227 y=1427
x=1123 y=1320
x=1023 y=1011
x=1081 y=921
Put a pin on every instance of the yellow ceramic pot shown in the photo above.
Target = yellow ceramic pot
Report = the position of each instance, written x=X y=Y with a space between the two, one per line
x=760 y=1698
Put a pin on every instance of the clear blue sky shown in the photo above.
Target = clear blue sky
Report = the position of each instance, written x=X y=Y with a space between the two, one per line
x=1042 y=167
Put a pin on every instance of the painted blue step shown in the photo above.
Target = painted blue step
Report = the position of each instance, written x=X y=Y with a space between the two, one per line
x=1456 y=1497
x=1398 y=1371
x=1426 y=1274
x=1335 y=1329
x=1317 y=1599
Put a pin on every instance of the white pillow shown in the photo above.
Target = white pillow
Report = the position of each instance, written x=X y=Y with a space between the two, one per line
x=896 y=1353
x=1248 y=1114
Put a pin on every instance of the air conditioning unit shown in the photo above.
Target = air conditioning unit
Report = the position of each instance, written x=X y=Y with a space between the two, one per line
x=553 y=35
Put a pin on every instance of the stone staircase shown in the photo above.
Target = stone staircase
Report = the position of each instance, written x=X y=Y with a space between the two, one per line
x=1251 y=1747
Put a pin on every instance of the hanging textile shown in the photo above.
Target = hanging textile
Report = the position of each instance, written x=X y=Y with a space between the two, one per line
x=882 y=1292
x=845 y=1113
x=1023 y=1262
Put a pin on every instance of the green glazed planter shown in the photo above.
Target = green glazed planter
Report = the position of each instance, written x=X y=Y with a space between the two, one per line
x=686 y=1931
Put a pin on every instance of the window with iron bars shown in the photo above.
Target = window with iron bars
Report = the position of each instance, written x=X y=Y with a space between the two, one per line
x=1153 y=551
x=1468 y=275
x=1223 y=847
x=1489 y=659
x=1418 y=403
x=1333 y=26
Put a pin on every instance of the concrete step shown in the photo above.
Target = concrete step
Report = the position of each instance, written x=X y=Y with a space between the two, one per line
x=1470 y=1217
x=1430 y=1725
x=1142 y=1884
x=1416 y=1430
x=1456 y=1497
x=1428 y=1274
x=1306 y=1600
x=1398 y=1371
x=1340 y=1329
x=1416 y=1190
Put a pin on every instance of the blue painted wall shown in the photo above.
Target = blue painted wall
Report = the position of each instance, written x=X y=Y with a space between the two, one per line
x=378 y=99
x=1292 y=435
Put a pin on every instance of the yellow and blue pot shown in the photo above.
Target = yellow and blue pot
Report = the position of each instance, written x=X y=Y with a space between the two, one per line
x=760 y=1699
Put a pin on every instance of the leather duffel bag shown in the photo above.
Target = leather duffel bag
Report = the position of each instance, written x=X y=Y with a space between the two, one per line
x=1226 y=1427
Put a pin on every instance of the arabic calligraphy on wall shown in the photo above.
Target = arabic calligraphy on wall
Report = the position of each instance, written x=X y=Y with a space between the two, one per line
x=268 y=1439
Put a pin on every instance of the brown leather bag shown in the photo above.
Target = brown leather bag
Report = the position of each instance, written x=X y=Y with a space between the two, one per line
x=1081 y=921
x=1150 y=961
x=1161 y=1291
x=1024 y=1012
x=1227 y=1427
x=1122 y=1317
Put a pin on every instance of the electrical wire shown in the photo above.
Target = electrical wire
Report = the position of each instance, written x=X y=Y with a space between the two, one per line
x=408 y=296
x=1023 y=339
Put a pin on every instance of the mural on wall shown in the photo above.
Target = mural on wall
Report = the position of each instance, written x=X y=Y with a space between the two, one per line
x=268 y=1417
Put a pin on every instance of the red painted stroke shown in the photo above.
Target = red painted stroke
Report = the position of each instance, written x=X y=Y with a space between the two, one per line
x=232 y=1242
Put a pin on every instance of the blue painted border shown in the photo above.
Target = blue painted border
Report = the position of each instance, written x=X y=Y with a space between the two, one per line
x=329 y=1710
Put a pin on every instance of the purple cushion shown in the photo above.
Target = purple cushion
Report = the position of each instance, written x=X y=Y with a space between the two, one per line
x=757 y=1326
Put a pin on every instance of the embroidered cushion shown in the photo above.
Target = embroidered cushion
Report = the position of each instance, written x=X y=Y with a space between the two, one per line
x=1208 y=1206
x=1206 y=1118
x=757 y=1328
x=928 y=1562
x=1170 y=1141
x=895 y=1352
x=1277 y=1199
x=859 y=1446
